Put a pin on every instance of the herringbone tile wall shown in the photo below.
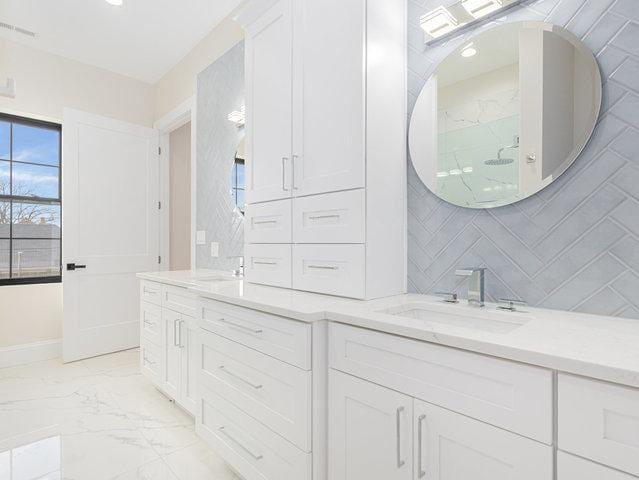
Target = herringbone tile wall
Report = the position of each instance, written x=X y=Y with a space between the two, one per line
x=220 y=90
x=575 y=245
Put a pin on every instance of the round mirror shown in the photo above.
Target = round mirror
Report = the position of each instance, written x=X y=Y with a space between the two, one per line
x=505 y=114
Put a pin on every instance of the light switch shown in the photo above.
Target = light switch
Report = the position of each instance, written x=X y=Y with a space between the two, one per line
x=200 y=237
x=215 y=249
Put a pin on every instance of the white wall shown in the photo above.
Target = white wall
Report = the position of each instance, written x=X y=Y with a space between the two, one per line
x=180 y=198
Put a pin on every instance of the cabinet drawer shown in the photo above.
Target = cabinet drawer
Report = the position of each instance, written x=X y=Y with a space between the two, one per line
x=331 y=269
x=179 y=299
x=150 y=360
x=273 y=392
x=574 y=468
x=151 y=292
x=249 y=447
x=330 y=218
x=268 y=264
x=150 y=318
x=287 y=340
x=599 y=421
x=453 y=446
x=268 y=222
x=509 y=395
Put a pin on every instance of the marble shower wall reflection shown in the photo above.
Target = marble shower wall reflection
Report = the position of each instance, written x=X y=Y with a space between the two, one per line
x=220 y=90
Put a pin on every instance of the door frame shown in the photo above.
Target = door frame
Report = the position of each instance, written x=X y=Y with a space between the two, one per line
x=182 y=114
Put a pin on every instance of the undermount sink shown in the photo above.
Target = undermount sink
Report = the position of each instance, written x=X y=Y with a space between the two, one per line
x=474 y=318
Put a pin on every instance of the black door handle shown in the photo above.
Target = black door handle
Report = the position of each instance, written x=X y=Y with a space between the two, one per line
x=73 y=266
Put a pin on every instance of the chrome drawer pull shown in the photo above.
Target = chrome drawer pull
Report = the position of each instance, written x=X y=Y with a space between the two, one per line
x=236 y=376
x=175 y=334
x=400 y=462
x=284 y=160
x=148 y=291
x=148 y=322
x=146 y=360
x=323 y=267
x=256 y=456
x=263 y=222
x=421 y=473
x=265 y=263
x=320 y=217
x=241 y=327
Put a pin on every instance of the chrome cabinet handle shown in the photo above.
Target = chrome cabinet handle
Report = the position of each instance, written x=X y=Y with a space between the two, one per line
x=175 y=334
x=421 y=473
x=447 y=297
x=323 y=267
x=181 y=344
x=241 y=327
x=148 y=291
x=284 y=159
x=400 y=462
x=256 y=456
x=295 y=157
x=265 y=263
x=320 y=217
x=256 y=386
x=264 y=222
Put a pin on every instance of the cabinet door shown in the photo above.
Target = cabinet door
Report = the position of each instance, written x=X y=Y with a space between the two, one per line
x=171 y=353
x=189 y=345
x=329 y=96
x=370 y=432
x=269 y=43
x=449 y=446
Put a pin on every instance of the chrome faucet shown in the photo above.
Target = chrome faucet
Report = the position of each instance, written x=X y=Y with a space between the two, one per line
x=240 y=271
x=476 y=284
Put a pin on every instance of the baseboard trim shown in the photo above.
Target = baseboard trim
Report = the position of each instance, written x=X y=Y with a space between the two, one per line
x=30 y=352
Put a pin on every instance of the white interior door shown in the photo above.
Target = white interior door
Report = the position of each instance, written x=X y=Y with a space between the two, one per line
x=110 y=179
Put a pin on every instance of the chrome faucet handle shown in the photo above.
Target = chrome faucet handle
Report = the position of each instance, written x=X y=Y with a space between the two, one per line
x=510 y=304
x=447 y=297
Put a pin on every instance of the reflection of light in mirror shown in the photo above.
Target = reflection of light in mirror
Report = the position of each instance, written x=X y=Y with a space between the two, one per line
x=238 y=117
x=479 y=8
x=455 y=171
x=469 y=51
x=467 y=169
x=438 y=22
x=442 y=174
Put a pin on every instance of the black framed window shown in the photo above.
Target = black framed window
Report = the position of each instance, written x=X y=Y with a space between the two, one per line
x=237 y=183
x=30 y=201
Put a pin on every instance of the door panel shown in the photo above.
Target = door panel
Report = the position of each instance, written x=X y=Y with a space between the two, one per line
x=171 y=356
x=449 y=446
x=111 y=225
x=370 y=433
x=269 y=43
x=189 y=364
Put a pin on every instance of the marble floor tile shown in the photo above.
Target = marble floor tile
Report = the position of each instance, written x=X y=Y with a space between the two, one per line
x=97 y=419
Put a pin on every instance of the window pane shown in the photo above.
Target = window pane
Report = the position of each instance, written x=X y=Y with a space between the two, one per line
x=5 y=215
x=35 y=181
x=36 y=258
x=5 y=132
x=4 y=259
x=240 y=199
x=36 y=220
x=4 y=178
x=240 y=175
x=37 y=145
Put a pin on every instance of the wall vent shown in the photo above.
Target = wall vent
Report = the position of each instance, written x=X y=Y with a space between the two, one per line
x=13 y=28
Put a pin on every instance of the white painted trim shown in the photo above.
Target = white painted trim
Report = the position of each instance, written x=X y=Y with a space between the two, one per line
x=33 y=116
x=30 y=352
x=179 y=116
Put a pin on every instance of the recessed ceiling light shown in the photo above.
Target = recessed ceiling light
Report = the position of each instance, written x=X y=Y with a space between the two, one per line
x=117 y=3
x=469 y=51
x=438 y=22
x=479 y=8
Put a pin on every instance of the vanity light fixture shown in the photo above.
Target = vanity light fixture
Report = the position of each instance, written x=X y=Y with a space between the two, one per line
x=479 y=8
x=117 y=3
x=438 y=22
x=238 y=117
x=469 y=50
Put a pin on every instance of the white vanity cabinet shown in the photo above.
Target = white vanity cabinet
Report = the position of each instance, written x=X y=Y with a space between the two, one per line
x=169 y=341
x=325 y=155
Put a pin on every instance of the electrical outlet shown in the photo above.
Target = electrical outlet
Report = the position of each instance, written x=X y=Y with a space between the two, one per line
x=215 y=249
x=200 y=237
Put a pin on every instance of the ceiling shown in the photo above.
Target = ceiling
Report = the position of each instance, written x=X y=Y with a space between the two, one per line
x=142 y=39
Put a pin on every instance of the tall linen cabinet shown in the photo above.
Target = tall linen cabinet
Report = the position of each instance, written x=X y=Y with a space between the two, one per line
x=326 y=145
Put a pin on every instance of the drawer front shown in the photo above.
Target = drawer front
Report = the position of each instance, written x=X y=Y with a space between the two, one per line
x=273 y=392
x=150 y=318
x=331 y=269
x=268 y=222
x=505 y=394
x=599 y=421
x=287 y=340
x=249 y=447
x=179 y=299
x=330 y=218
x=268 y=264
x=150 y=360
x=151 y=292
x=574 y=468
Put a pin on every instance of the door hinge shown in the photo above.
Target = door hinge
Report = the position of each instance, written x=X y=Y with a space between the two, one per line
x=159 y=259
x=159 y=205
x=159 y=150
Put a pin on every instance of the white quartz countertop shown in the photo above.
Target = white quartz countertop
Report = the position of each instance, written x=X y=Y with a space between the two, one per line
x=599 y=347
